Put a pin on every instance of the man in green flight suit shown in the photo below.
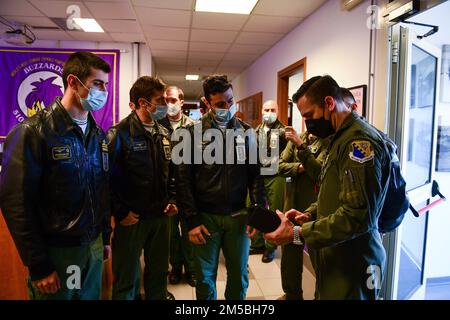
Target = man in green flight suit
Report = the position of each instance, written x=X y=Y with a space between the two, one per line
x=343 y=224
x=301 y=191
x=271 y=132
x=181 y=249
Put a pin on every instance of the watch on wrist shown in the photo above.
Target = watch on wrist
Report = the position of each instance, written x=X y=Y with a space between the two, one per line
x=297 y=238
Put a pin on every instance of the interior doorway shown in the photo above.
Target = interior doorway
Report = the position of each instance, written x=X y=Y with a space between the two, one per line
x=289 y=80
x=250 y=109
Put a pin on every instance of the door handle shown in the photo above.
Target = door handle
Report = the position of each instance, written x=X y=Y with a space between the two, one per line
x=434 y=192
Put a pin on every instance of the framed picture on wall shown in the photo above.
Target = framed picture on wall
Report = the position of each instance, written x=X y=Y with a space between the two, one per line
x=445 y=74
x=360 y=94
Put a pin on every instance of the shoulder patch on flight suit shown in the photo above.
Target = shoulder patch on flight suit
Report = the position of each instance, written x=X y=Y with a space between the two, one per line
x=166 y=147
x=105 y=156
x=313 y=149
x=61 y=153
x=362 y=151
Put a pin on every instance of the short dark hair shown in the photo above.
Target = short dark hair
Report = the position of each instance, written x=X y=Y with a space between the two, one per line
x=215 y=84
x=347 y=95
x=317 y=88
x=180 y=92
x=80 y=64
x=146 y=87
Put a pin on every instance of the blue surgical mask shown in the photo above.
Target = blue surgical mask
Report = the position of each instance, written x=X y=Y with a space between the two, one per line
x=159 y=113
x=95 y=100
x=225 y=115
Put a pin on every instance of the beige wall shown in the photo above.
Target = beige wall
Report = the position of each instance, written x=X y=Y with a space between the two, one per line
x=335 y=42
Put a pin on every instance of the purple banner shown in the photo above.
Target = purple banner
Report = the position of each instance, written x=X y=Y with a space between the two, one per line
x=32 y=78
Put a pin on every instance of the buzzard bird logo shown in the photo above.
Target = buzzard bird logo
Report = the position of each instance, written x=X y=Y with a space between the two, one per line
x=42 y=95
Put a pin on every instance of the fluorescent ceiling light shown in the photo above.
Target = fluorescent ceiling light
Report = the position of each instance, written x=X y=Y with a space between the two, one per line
x=88 y=25
x=192 y=77
x=226 y=6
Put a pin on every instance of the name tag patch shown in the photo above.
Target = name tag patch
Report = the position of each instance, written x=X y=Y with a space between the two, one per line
x=140 y=145
x=61 y=153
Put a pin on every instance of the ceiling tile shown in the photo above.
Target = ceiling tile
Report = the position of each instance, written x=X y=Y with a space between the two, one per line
x=168 y=4
x=274 y=24
x=116 y=10
x=213 y=35
x=233 y=63
x=170 y=61
x=244 y=48
x=218 y=21
x=244 y=57
x=171 y=78
x=32 y=21
x=18 y=8
x=208 y=46
x=162 y=33
x=169 y=54
x=163 y=70
x=171 y=67
x=127 y=37
x=287 y=8
x=167 y=45
x=229 y=70
x=164 y=17
x=52 y=35
x=58 y=9
x=203 y=62
x=120 y=26
x=90 y=36
x=191 y=69
x=199 y=55
x=260 y=38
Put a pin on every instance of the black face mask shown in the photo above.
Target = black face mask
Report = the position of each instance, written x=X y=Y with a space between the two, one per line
x=321 y=127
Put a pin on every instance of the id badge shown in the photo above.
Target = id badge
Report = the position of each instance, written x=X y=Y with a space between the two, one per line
x=240 y=152
x=273 y=140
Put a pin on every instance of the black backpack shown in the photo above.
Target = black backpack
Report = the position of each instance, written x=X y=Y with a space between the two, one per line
x=396 y=201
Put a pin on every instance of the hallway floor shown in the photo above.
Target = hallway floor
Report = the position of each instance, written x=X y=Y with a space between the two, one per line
x=265 y=281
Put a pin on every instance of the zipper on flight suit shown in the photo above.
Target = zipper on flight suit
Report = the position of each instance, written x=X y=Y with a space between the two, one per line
x=85 y=159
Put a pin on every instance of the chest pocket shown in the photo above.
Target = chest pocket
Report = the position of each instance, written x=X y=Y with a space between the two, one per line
x=325 y=167
x=137 y=153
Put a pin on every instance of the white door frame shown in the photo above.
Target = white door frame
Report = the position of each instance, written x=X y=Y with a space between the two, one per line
x=402 y=41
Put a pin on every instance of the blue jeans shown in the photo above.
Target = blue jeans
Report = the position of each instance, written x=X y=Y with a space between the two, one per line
x=228 y=234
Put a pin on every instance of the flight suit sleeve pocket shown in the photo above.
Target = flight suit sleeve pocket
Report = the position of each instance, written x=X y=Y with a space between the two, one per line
x=351 y=192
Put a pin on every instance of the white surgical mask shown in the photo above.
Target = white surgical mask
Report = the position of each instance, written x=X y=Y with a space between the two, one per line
x=269 y=117
x=173 y=109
